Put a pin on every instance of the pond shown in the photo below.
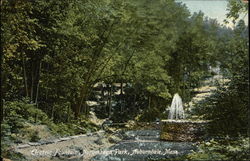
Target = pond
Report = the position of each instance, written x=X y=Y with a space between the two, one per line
x=143 y=145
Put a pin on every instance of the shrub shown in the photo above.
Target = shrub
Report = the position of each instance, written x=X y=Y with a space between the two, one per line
x=34 y=136
x=224 y=149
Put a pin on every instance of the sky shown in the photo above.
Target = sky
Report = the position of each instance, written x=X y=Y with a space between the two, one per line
x=211 y=8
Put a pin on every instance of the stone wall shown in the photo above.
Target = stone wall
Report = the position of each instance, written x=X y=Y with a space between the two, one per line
x=182 y=130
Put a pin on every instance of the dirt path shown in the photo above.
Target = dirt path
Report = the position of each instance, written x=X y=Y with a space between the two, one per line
x=80 y=147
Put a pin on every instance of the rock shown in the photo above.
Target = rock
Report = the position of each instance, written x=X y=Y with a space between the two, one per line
x=23 y=146
x=114 y=139
x=89 y=134
x=5 y=159
x=94 y=119
x=75 y=158
x=65 y=158
x=34 y=144
x=82 y=135
x=56 y=140
x=100 y=141
x=43 y=142
x=64 y=139
x=100 y=133
x=130 y=124
x=73 y=137
x=110 y=130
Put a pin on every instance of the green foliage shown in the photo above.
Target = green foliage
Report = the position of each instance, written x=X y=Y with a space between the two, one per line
x=55 y=63
x=226 y=149
x=24 y=111
x=68 y=129
x=17 y=113
x=34 y=136
x=220 y=149
x=149 y=115
x=236 y=8
x=9 y=153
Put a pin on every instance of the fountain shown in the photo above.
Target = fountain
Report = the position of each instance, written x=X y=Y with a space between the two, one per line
x=176 y=109
x=177 y=128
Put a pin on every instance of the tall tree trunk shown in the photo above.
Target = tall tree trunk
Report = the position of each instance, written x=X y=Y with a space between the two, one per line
x=103 y=90
x=110 y=100
x=2 y=108
x=68 y=112
x=81 y=105
x=121 y=96
x=149 y=102
x=25 y=77
x=38 y=78
x=107 y=98
x=121 y=87
x=81 y=99
x=32 y=81
x=85 y=107
x=52 y=113
x=46 y=92
x=134 y=103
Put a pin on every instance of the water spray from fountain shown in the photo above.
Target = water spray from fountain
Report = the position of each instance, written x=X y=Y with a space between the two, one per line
x=176 y=110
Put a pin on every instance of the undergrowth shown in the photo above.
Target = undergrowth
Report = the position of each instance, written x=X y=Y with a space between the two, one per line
x=21 y=119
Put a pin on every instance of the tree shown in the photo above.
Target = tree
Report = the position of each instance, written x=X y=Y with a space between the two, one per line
x=235 y=9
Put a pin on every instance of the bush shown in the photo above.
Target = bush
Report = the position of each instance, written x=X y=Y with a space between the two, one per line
x=20 y=115
x=34 y=136
x=24 y=111
x=18 y=112
x=225 y=149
